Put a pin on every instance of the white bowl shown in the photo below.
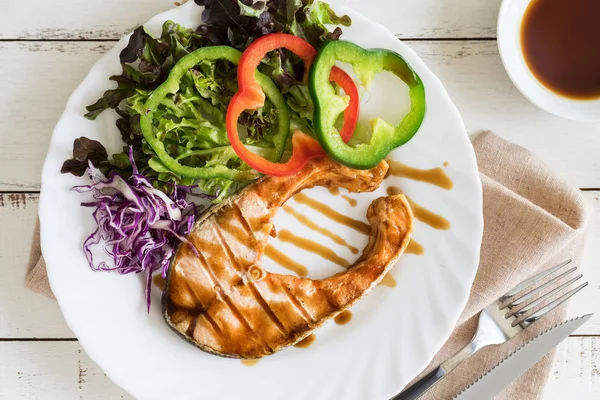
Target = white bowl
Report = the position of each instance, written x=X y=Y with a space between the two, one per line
x=509 y=45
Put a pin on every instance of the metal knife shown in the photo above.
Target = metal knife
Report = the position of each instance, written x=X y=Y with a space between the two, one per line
x=488 y=385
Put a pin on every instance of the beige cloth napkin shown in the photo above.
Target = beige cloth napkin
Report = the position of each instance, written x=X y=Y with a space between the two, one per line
x=533 y=219
x=36 y=277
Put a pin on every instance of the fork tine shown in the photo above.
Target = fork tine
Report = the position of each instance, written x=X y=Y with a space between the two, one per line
x=546 y=296
x=520 y=300
x=532 y=280
x=542 y=311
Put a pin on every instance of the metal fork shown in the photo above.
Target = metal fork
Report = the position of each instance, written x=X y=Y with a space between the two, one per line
x=501 y=321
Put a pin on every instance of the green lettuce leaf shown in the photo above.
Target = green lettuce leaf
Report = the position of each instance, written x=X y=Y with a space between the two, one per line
x=191 y=123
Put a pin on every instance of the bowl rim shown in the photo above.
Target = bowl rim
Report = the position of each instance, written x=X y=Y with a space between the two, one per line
x=559 y=110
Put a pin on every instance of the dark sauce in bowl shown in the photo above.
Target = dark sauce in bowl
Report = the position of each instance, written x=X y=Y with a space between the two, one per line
x=561 y=45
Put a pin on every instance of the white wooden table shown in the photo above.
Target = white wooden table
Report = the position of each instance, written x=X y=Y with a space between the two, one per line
x=47 y=47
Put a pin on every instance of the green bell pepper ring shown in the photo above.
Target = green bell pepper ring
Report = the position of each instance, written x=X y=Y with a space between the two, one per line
x=329 y=105
x=171 y=86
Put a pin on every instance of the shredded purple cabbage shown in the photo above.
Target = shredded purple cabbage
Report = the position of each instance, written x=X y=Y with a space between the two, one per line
x=137 y=225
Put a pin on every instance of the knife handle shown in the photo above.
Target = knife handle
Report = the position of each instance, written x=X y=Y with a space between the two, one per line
x=421 y=386
x=417 y=389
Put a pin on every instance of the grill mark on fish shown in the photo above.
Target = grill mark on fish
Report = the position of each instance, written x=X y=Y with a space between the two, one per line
x=243 y=220
x=201 y=310
x=190 y=329
x=214 y=282
x=213 y=278
x=235 y=311
x=332 y=305
x=305 y=315
x=225 y=298
x=191 y=289
x=238 y=314
x=255 y=293
x=212 y=323
x=219 y=234
x=267 y=309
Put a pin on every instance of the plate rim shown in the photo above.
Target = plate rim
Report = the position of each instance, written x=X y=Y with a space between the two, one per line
x=46 y=230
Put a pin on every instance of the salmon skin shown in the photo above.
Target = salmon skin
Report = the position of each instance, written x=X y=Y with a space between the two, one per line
x=219 y=297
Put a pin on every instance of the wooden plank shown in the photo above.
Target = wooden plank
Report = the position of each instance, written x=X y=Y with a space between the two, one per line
x=52 y=370
x=73 y=20
x=41 y=75
x=110 y=19
x=23 y=314
x=587 y=301
x=432 y=19
x=576 y=372
x=37 y=79
x=61 y=370
x=28 y=315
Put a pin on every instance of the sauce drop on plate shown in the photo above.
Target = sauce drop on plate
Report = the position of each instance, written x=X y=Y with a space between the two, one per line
x=306 y=342
x=560 y=40
x=434 y=176
x=285 y=261
x=306 y=221
x=335 y=191
x=251 y=363
x=393 y=190
x=160 y=282
x=313 y=247
x=332 y=214
x=343 y=318
x=389 y=281
x=350 y=201
x=415 y=248
x=432 y=219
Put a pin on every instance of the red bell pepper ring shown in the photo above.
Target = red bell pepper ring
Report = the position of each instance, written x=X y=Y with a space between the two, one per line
x=251 y=97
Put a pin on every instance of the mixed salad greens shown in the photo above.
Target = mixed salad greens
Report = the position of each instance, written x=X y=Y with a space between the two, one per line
x=211 y=109
x=193 y=120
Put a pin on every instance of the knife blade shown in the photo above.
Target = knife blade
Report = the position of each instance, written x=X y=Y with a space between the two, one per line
x=492 y=382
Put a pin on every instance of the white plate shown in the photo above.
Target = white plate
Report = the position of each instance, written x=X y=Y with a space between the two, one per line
x=394 y=332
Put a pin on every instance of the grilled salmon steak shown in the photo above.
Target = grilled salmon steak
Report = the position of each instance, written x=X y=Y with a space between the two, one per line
x=218 y=296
